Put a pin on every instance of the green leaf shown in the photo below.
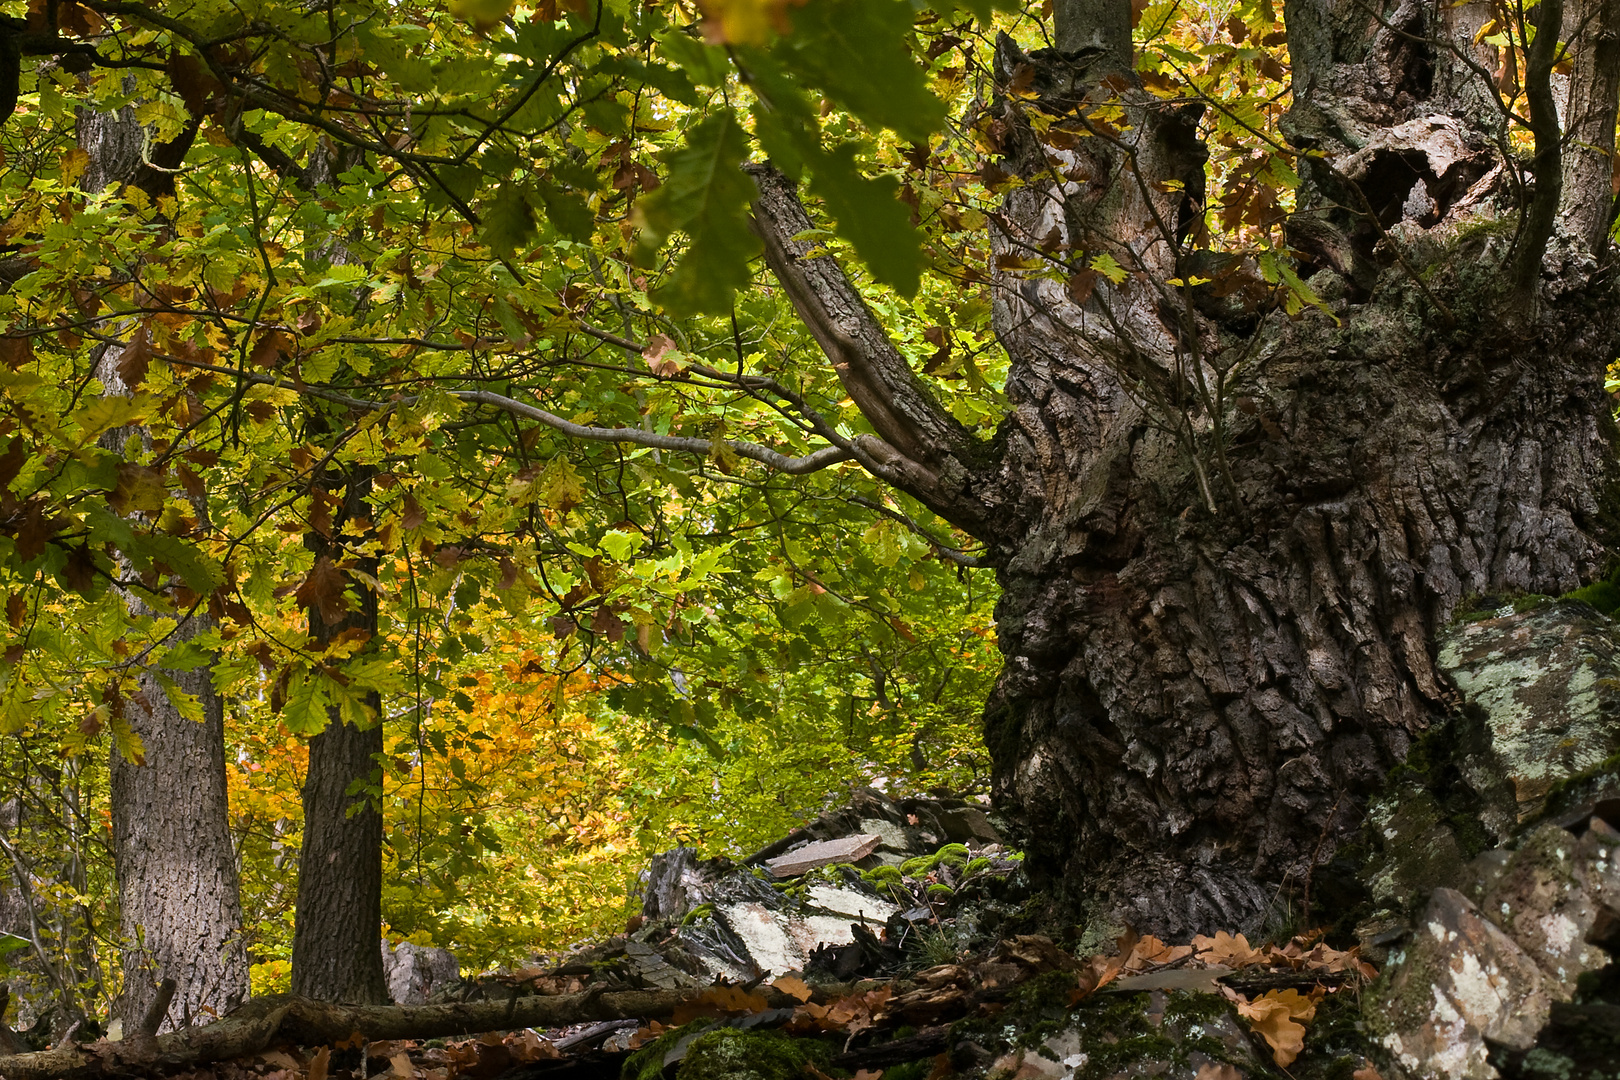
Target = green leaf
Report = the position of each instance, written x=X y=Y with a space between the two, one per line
x=706 y=64
x=707 y=196
x=508 y=221
x=856 y=51
x=871 y=216
x=1105 y=265
x=185 y=704
x=201 y=573
x=568 y=212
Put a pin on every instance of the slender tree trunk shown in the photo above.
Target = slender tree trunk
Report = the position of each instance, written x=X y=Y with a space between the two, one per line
x=180 y=906
x=337 y=939
x=1226 y=536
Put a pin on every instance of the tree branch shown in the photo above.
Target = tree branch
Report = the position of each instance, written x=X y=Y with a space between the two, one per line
x=820 y=459
x=798 y=466
x=1547 y=164
x=920 y=447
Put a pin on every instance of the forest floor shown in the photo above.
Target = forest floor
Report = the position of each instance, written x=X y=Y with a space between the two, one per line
x=951 y=967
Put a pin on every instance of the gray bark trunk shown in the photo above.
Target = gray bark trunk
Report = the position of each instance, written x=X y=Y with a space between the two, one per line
x=337 y=939
x=179 y=904
x=180 y=909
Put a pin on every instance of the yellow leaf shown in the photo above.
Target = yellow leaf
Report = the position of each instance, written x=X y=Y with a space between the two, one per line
x=483 y=14
x=1280 y=1017
x=744 y=22
x=74 y=162
x=794 y=987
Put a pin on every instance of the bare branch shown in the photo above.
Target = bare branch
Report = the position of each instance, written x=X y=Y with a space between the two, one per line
x=820 y=459
x=798 y=466
x=1547 y=164
x=920 y=447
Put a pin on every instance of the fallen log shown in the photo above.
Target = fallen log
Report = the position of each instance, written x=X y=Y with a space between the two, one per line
x=283 y=1018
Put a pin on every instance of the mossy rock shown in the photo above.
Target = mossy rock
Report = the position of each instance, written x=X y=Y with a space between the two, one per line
x=734 y=1054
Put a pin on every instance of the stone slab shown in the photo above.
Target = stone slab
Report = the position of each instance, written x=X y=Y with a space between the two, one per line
x=823 y=853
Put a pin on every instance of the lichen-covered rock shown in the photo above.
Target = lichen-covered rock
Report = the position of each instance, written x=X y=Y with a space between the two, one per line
x=416 y=972
x=1490 y=966
x=1137 y=1036
x=1539 y=896
x=1460 y=981
x=1546 y=683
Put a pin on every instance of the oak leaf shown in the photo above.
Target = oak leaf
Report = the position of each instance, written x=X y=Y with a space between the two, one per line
x=322 y=591
x=1280 y=1017
x=1224 y=948
x=662 y=357
x=135 y=358
x=794 y=987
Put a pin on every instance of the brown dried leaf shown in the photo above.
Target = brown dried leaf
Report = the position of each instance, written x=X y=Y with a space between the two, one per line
x=720 y=1001
x=1223 y=948
x=135 y=358
x=794 y=987
x=1280 y=1017
x=322 y=590
x=412 y=516
x=1150 y=951
x=660 y=360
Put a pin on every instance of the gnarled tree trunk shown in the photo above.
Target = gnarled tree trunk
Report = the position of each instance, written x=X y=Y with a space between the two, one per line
x=1226 y=537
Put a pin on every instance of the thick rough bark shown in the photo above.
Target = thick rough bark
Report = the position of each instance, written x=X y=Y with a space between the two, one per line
x=179 y=906
x=338 y=929
x=1239 y=533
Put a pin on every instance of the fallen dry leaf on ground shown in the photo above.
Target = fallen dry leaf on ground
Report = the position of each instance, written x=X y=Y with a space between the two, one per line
x=720 y=1001
x=1224 y=948
x=1279 y=1017
x=794 y=987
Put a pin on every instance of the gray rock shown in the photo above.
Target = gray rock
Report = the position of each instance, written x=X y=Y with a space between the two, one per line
x=1547 y=684
x=1492 y=964
x=1460 y=981
x=416 y=972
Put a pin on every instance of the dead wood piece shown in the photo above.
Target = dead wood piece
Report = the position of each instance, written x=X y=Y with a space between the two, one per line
x=925 y=1043
x=265 y=1021
x=823 y=853
x=159 y=1009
